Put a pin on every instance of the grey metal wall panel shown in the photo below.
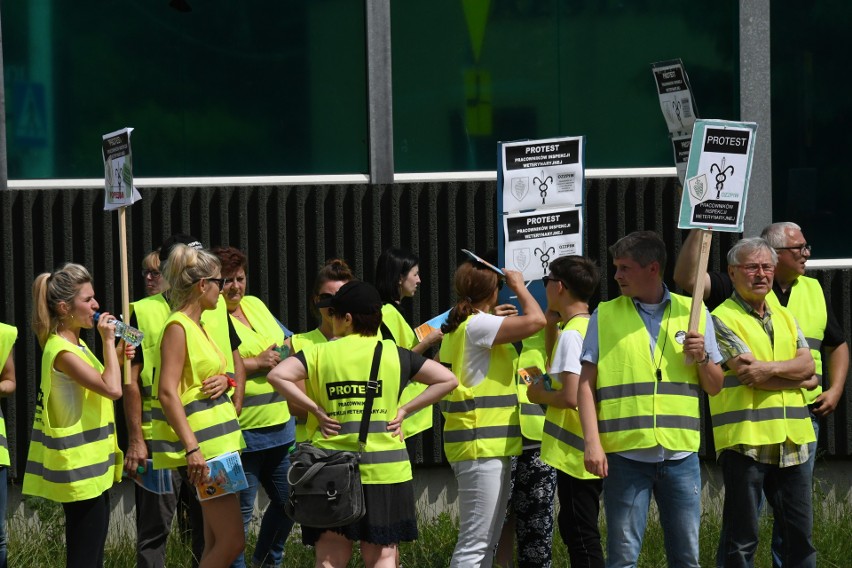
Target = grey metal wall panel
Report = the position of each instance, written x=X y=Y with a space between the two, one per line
x=289 y=231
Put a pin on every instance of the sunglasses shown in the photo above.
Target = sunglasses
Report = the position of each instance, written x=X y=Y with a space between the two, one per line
x=220 y=282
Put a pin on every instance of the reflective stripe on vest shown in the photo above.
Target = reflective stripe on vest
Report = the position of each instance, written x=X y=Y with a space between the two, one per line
x=755 y=417
x=807 y=304
x=481 y=421
x=338 y=372
x=151 y=315
x=8 y=335
x=562 y=443
x=404 y=336
x=78 y=461
x=299 y=342
x=635 y=410
x=262 y=406
x=214 y=422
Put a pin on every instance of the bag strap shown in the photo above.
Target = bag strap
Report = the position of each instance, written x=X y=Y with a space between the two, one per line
x=372 y=390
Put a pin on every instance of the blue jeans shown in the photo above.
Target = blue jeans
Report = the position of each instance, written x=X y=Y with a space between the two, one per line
x=676 y=486
x=4 y=487
x=777 y=539
x=788 y=490
x=268 y=468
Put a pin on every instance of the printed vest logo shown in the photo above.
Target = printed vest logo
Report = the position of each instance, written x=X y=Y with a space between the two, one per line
x=349 y=389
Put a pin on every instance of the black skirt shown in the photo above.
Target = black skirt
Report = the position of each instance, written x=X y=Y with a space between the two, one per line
x=390 y=517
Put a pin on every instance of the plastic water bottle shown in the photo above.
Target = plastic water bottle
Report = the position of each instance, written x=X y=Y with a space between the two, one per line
x=127 y=332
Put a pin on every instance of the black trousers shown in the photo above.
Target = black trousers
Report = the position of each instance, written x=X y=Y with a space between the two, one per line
x=86 y=526
x=579 y=506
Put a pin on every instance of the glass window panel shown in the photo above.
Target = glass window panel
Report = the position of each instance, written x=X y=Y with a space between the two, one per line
x=231 y=88
x=810 y=110
x=467 y=74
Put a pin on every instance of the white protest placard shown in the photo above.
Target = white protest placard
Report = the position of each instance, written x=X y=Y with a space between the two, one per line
x=676 y=100
x=542 y=173
x=717 y=175
x=118 y=170
x=534 y=240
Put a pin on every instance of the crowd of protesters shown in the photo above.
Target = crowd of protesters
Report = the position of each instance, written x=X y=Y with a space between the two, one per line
x=590 y=405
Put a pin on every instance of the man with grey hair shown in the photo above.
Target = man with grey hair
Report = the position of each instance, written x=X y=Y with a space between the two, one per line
x=792 y=289
x=761 y=425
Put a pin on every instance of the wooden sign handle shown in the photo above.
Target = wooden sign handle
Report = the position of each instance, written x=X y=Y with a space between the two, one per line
x=125 y=284
x=700 y=277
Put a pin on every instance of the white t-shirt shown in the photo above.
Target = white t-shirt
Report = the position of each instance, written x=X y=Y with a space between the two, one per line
x=479 y=338
x=566 y=357
x=65 y=403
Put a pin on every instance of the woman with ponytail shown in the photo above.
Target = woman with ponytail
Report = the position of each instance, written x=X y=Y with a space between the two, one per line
x=73 y=457
x=193 y=419
x=482 y=428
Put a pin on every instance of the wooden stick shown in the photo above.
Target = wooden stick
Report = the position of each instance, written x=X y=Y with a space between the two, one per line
x=698 y=290
x=700 y=277
x=125 y=284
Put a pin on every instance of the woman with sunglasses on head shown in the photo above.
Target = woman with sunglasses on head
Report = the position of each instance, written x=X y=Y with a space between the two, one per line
x=73 y=457
x=397 y=278
x=191 y=389
x=482 y=425
x=385 y=469
x=268 y=429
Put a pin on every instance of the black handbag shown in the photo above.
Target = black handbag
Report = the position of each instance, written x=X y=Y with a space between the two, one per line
x=325 y=485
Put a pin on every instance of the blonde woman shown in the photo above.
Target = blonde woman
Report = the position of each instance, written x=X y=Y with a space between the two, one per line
x=191 y=389
x=73 y=457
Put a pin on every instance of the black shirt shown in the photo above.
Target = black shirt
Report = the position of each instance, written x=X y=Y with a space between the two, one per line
x=409 y=365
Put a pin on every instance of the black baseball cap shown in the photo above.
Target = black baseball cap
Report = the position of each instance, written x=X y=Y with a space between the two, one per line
x=354 y=297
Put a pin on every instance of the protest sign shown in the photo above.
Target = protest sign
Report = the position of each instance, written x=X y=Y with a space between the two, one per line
x=717 y=175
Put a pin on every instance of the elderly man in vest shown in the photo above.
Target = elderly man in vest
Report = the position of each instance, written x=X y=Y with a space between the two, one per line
x=805 y=298
x=761 y=425
x=642 y=372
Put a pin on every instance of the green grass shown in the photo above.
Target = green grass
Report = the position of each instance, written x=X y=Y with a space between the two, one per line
x=37 y=539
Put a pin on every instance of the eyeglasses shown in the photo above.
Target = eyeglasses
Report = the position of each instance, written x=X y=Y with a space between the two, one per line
x=152 y=273
x=240 y=279
x=801 y=249
x=752 y=269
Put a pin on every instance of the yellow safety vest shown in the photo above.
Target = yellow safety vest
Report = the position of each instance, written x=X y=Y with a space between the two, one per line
x=262 y=406
x=635 y=409
x=754 y=417
x=8 y=335
x=532 y=355
x=404 y=336
x=807 y=303
x=338 y=372
x=215 y=323
x=302 y=340
x=482 y=421
x=151 y=315
x=76 y=462
x=299 y=342
x=562 y=444
x=214 y=422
